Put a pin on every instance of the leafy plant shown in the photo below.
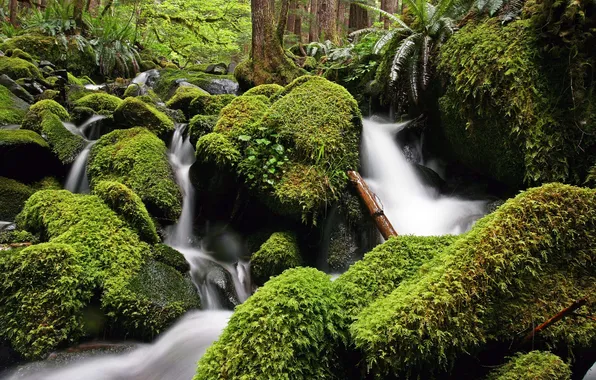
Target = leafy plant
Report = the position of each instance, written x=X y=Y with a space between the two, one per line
x=266 y=158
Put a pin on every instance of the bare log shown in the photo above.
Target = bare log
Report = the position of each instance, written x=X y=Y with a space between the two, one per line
x=370 y=200
x=555 y=318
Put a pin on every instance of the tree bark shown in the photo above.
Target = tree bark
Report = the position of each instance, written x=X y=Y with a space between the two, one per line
x=14 y=5
x=79 y=6
x=298 y=22
x=376 y=211
x=390 y=7
x=313 y=33
x=292 y=16
x=328 y=20
x=342 y=18
x=282 y=20
x=358 y=18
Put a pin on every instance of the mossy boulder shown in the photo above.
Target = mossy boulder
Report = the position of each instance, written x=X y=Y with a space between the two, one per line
x=37 y=111
x=285 y=330
x=278 y=253
x=239 y=117
x=215 y=148
x=535 y=365
x=170 y=256
x=99 y=102
x=25 y=155
x=14 y=195
x=17 y=68
x=209 y=104
x=169 y=79
x=12 y=109
x=137 y=158
x=129 y=206
x=199 y=126
x=267 y=90
x=18 y=53
x=133 y=112
x=151 y=300
x=41 y=307
x=521 y=264
x=183 y=97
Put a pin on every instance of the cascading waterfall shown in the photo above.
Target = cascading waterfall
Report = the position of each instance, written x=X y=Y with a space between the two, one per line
x=411 y=206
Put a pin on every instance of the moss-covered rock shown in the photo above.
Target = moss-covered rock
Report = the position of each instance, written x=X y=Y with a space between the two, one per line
x=239 y=117
x=183 y=97
x=133 y=112
x=170 y=256
x=17 y=236
x=17 y=68
x=129 y=206
x=199 y=126
x=137 y=158
x=267 y=90
x=284 y=330
x=155 y=297
x=519 y=265
x=209 y=104
x=535 y=365
x=65 y=145
x=169 y=79
x=37 y=111
x=217 y=149
x=41 y=306
x=18 y=53
x=14 y=195
x=278 y=253
x=12 y=109
x=99 y=102
x=25 y=155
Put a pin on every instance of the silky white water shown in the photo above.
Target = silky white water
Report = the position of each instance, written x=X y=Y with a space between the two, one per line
x=173 y=356
x=411 y=206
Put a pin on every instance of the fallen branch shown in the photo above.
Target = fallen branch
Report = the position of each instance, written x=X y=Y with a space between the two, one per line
x=555 y=318
x=370 y=200
x=15 y=245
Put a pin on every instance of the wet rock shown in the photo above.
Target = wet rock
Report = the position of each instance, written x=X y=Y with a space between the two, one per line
x=44 y=64
x=221 y=86
x=219 y=280
x=232 y=67
x=429 y=177
x=32 y=86
x=218 y=69
x=16 y=89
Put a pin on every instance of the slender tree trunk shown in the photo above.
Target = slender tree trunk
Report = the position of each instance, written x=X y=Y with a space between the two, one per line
x=292 y=16
x=283 y=19
x=14 y=5
x=342 y=18
x=313 y=34
x=358 y=18
x=390 y=7
x=79 y=6
x=328 y=20
x=300 y=10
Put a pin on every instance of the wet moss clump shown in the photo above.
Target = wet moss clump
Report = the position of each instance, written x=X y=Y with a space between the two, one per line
x=99 y=102
x=168 y=77
x=37 y=111
x=209 y=104
x=285 y=330
x=278 y=253
x=183 y=96
x=129 y=206
x=170 y=256
x=133 y=112
x=217 y=149
x=267 y=90
x=17 y=68
x=199 y=126
x=137 y=158
x=41 y=307
x=14 y=195
x=238 y=117
x=12 y=109
x=521 y=264
x=535 y=365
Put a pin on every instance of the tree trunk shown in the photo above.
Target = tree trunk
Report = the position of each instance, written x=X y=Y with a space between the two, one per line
x=342 y=18
x=14 y=5
x=313 y=34
x=390 y=7
x=282 y=20
x=292 y=16
x=328 y=20
x=370 y=200
x=358 y=18
x=298 y=22
x=79 y=6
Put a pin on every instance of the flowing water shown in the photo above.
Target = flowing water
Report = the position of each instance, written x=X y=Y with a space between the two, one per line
x=411 y=206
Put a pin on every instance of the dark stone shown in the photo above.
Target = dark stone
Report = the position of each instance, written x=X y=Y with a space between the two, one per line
x=44 y=64
x=28 y=162
x=232 y=67
x=222 y=86
x=429 y=177
x=16 y=89
x=217 y=69
x=218 y=279
x=33 y=87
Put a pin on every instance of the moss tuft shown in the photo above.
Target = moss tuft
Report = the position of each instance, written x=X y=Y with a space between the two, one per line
x=133 y=112
x=37 y=111
x=267 y=90
x=216 y=148
x=17 y=68
x=240 y=115
x=199 y=126
x=137 y=158
x=12 y=109
x=278 y=253
x=183 y=97
x=169 y=256
x=129 y=206
x=535 y=365
x=65 y=145
x=209 y=104
x=13 y=195
x=99 y=102
x=284 y=330
x=168 y=79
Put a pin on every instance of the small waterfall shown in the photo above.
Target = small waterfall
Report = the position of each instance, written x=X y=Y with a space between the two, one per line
x=181 y=155
x=77 y=180
x=172 y=356
x=411 y=206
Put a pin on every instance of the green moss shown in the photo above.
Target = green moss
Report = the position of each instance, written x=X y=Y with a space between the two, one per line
x=21 y=136
x=278 y=253
x=74 y=80
x=50 y=95
x=14 y=195
x=209 y=104
x=17 y=68
x=18 y=236
x=216 y=148
x=519 y=265
x=99 y=102
x=168 y=77
x=37 y=111
x=199 y=126
x=240 y=115
x=155 y=297
x=535 y=365
x=41 y=306
x=183 y=97
x=169 y=256
x=12 y=109
x=65 y=145
x=283 y=331
x=137 y=158
x=129 y=206
x=18 y=53
x=147 y=65
x=133 y=112
x=310 y=63
x=267 y=90
x=248 y=74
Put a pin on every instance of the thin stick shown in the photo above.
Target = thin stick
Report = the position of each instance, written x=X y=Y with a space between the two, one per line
x=555 y=318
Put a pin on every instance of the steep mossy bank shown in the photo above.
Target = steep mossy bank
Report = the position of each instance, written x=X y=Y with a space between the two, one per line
x=415 y=305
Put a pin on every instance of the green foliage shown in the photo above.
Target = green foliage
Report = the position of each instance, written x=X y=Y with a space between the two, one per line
x=535 y=365
x=209 y=104
x=267 y=90
x=21 y=136
x=12 y=109
x=384 y=268
x=133 y=112
x=17 y=68
x=216 y=148
x=278 y=253
x=183 y=96
x=13 y=195
x=42 y=296
x=287 y=329
x=129 y=206
x=17 y=236
x=137 y=158
x=99 y=102
x=199 y=126
x=519 y=265
x=169 y=256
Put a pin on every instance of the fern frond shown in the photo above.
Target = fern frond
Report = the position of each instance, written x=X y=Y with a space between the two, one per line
x=403 y=53
x=392 y=17
x=383 y=41
x=413 y=76
x=425 y=52
x=360 y=32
